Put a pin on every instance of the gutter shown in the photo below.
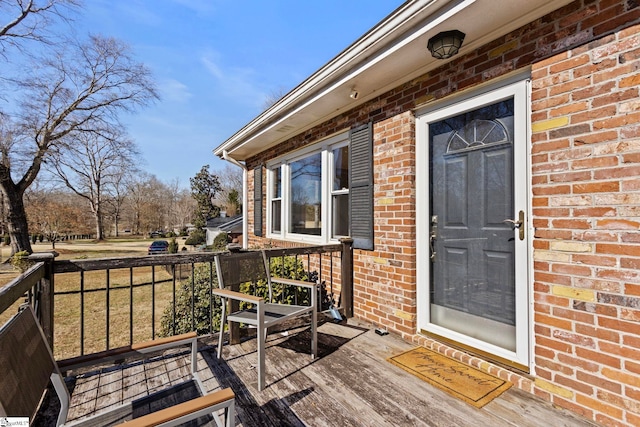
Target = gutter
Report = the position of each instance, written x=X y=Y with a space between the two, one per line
x=245 y=197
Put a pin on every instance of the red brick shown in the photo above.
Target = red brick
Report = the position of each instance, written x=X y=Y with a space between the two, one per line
x=619 y=350
x=599 y=406
x=622 y=377
x=597 y=162
x=573 y=384
x=597 y=357
x=597 y=187
x=626 y=171
x=598 y=381
x=618 y=249
x=571 y=406
x=596 y=137
x=594 y=211
x=619 y=325
x=596 y=260
x=554 y=344
x=632 y=289
x=553 y=321
x=598 y=333
x=571 y=223
x=571 y=269
x=578 y=316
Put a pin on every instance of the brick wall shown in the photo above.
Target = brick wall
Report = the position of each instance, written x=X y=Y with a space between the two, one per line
x=586 y=206
x=585 y=180
x=385 y=278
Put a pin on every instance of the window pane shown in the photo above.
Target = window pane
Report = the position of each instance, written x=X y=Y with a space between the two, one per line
x=276 y=189
x=340 y=215
x=276 y=216
x=306 y=204
x=341 y=168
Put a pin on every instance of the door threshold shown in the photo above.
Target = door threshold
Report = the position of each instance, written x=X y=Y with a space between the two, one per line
x=489 y=357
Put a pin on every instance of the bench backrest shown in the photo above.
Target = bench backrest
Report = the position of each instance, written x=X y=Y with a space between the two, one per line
x=26 y=364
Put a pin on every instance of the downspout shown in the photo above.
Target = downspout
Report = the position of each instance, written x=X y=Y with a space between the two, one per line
x=245 y=197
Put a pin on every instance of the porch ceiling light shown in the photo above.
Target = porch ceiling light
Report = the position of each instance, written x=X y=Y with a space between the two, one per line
x=445 y=44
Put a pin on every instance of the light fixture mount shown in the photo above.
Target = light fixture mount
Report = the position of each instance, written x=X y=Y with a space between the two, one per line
x=445 y=44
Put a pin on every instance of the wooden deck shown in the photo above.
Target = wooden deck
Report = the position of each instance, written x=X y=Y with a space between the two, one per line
x=351 y=383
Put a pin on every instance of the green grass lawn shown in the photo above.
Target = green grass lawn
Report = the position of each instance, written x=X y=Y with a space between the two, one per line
x=67 y=312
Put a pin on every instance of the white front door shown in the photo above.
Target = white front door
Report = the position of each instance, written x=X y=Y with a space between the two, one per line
x=472 y=223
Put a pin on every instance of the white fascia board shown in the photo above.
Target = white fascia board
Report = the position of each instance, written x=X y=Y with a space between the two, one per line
x=373 y=44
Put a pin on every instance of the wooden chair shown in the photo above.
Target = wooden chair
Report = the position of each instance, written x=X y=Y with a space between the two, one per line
x=237 y=268
x=27 y=365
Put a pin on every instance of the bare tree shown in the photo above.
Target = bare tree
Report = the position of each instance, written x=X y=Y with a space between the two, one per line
x=29 y=20
x=79 y=90
x=184 y=209
x=171 y=202
x=274 y=96
x=55 y=214
x=90 y=165
x=145 y=203
x=117 y=193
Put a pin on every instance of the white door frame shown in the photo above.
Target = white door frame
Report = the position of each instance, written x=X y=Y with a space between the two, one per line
x=520 y=91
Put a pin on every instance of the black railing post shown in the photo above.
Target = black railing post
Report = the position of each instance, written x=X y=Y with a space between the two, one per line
x=346 y=275
x=46 y=302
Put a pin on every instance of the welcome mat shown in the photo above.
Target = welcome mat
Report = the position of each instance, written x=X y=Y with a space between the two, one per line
x=462 y=381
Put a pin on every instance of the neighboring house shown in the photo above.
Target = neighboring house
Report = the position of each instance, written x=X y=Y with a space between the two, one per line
x=493 y=197
x=230 y=225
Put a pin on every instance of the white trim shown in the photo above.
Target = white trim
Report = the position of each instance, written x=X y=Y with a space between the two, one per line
x=324 y=148
x=530 y=232
x=522 y=201
x=245 y=197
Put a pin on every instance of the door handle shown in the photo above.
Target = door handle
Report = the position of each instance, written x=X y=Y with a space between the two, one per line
x=519 y=224
x=432 y=237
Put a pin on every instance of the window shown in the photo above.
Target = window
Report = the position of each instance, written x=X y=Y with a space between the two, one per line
x=308 y=197
x=305 y=203
x=340 y=192
x=276 y=200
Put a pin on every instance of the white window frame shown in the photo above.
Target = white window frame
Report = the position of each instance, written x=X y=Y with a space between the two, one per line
x=332 y=192
x=271 y=173
x=325 y=148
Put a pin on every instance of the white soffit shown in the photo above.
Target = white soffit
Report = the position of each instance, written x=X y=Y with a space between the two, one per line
x=390 y=54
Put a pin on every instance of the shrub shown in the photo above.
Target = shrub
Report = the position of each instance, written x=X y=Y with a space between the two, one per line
x=220 y=242
x=20 y=261
x=203 y=276
x=197 y=237
x=290 y=268
x=173 y=246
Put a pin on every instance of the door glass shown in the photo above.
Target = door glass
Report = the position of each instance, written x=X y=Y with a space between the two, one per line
x=472 y=246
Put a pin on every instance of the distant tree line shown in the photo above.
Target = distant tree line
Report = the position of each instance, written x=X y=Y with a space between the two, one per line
x=134 y=205
x=144 y=204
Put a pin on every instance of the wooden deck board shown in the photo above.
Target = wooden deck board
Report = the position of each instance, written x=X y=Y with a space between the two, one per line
x=350 y=383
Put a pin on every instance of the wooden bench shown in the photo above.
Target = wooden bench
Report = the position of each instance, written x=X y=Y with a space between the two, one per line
x=27 y=365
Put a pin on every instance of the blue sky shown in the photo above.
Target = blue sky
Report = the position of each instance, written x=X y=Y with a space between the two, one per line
x=217 y=61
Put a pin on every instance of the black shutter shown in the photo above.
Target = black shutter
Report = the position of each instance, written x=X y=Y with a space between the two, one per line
x=257 y=201
x=361 y=186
